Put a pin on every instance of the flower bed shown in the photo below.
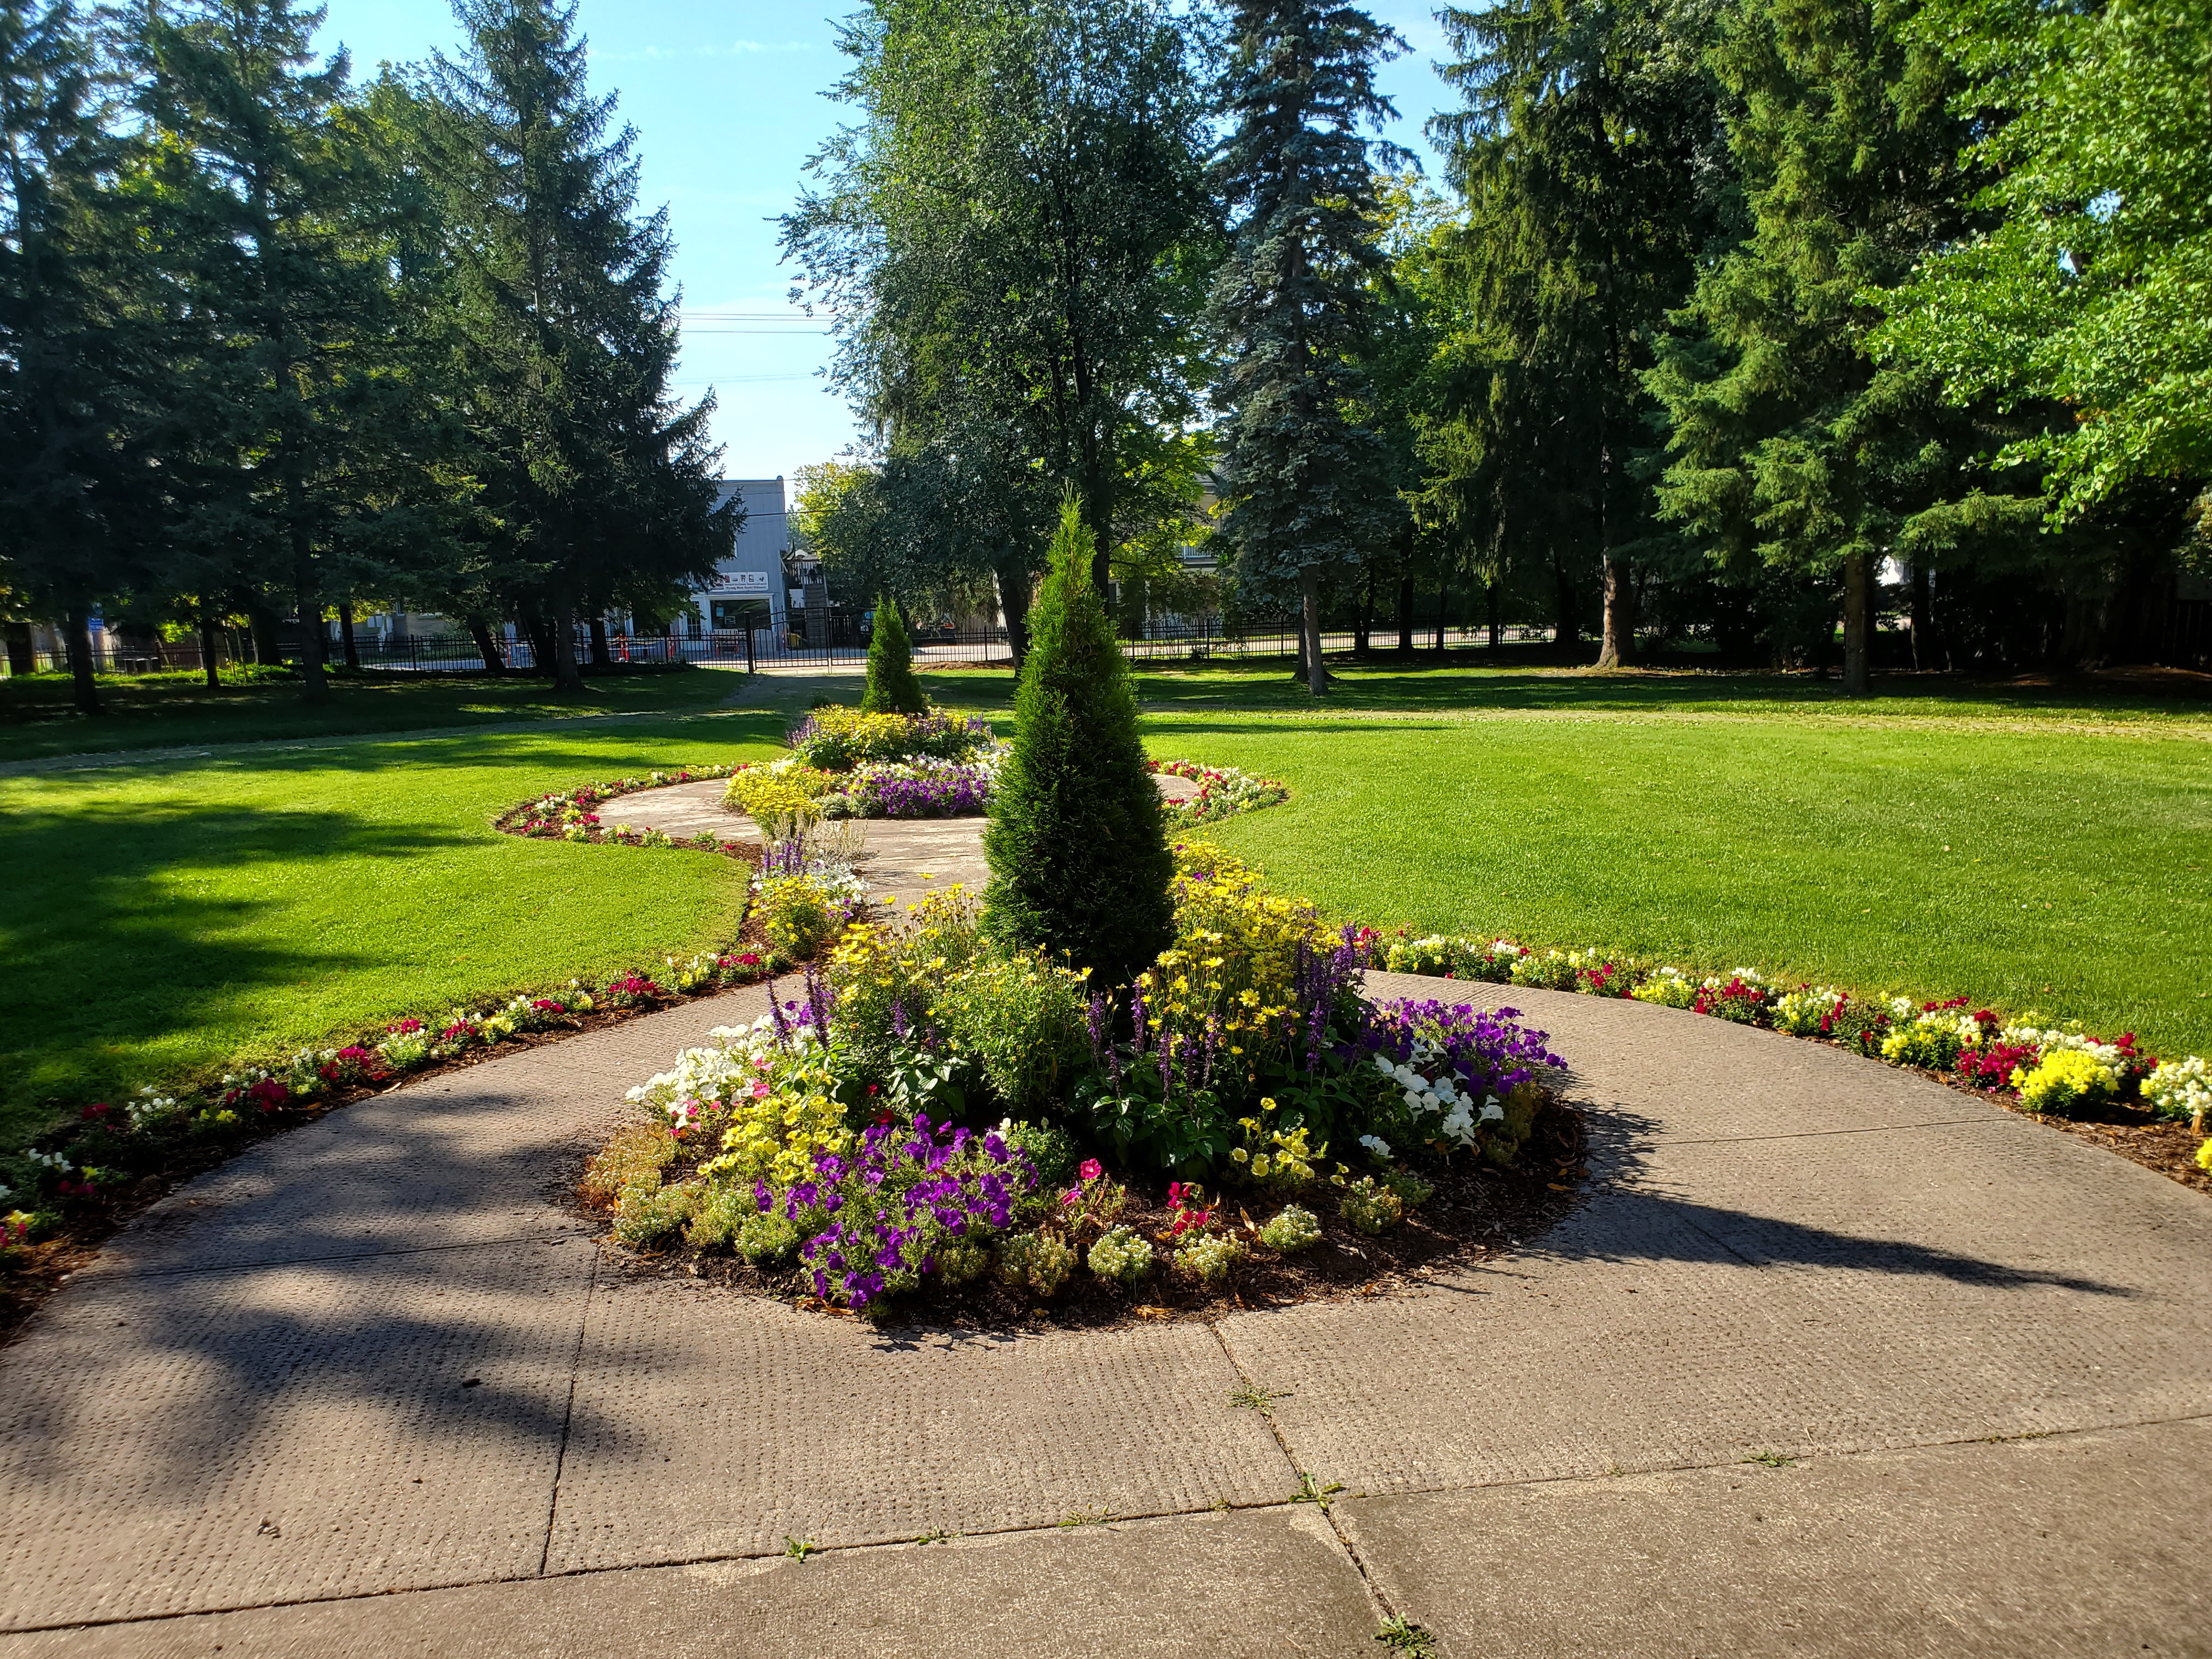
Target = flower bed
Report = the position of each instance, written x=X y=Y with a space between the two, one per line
x=574 y=814
x=934 y=1118
x=2051 y=1071
x=1222 y=792
x=844 y=763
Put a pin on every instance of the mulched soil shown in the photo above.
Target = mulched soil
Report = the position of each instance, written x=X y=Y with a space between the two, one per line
x=1478 y=1211
x=2159 y=1143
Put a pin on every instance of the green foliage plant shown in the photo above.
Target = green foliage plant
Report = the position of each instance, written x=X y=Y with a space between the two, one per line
x=1020 y=1021
x=1039 y=1261
x=1120 y=1255
x=1291 y=1229
x=1077 y=842
x=892 y=687
x=1369 y=1207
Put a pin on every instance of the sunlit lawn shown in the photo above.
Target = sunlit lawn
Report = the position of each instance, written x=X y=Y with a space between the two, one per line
x=160 y=921
x=165 y=918
x=2031 y=847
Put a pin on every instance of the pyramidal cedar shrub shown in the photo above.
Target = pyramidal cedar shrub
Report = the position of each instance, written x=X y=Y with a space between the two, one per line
x=1076 y=841
x=893 y=688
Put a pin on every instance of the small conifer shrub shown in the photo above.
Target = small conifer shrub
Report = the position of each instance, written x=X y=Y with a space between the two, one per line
x=893 y=688
x=1077 y=841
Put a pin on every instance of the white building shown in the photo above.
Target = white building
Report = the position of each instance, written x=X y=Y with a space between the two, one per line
x=751 y=575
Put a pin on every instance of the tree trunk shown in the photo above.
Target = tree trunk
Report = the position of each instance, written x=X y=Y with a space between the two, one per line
x=540 y=637
x=262 y=622
x=1444 y=611
x=315 y=688
x=1497 y=620
x=1858 y=625
x=601 y=656
x=1363 y=637
x=1619 y=650
x=1923 y=622
x=208 y=651
x=1014 y=608
x=1566 y=618
x=345 y=633
x=84 y=690
x=21 y=657
x=1310 y=631
x=487 y=647
x=1405 y=615
x=567 y=677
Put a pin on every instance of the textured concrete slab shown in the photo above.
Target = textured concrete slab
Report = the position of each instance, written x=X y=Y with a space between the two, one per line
x=707 y=1423
x=1262 y=1584
x=263 y=1399
x=682 y=810
x=1821 y=1293
x=467 y=1156
x=169 y=1444
x=2079 y=1544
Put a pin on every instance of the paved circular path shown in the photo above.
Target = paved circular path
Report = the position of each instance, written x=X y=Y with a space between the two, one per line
x=369 y=1389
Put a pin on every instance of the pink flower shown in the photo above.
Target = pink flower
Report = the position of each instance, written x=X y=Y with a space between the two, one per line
x=1090 y=1169
x=1070 y=1196
x=760 y=1089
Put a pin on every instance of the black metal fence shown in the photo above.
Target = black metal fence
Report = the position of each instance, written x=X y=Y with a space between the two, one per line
x=761 y=648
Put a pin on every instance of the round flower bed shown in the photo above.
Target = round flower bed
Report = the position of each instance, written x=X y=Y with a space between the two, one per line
x=937 y=1119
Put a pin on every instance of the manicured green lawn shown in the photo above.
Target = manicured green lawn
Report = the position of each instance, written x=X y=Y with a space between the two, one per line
x=160 y=921
x=2027 y=846
x=170 y=710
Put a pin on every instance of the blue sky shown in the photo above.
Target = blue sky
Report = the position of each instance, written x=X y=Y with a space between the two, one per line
x=727 y=102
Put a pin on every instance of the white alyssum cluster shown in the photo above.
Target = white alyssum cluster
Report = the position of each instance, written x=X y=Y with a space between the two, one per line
x=2180 y=1088
x=1458 y=1114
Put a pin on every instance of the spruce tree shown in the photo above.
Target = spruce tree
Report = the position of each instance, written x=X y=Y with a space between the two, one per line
x=1790 y=445
x=1308 y=482
x=892 y=687
x=1077 y=842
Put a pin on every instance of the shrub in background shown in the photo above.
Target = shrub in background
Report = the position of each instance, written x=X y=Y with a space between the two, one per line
x=892 y=687
x=1077 y=841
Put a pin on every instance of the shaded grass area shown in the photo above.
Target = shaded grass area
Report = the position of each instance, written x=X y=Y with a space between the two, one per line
x=154 y=711
x=162 y=922
x=2034 y=848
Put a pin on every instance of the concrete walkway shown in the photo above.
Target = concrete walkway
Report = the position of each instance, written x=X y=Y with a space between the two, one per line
x=371 y=1389
x=904 y=860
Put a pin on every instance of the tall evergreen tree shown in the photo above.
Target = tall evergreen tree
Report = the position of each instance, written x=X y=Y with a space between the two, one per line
x=282 y=230
x=1787 y=445
x=1077 y=841
x=76 y=482
x=1307 y=484
x=1585 y=152
x=592 y=478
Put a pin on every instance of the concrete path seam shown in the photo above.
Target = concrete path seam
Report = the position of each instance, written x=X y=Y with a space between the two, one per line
x=1284 y=1505
x=568 y=1412
x=1375 y=1595
x=1811 y=1134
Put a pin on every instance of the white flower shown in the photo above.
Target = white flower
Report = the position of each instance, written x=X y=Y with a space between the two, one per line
x=1376 y=1145
x=1491 y=1111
